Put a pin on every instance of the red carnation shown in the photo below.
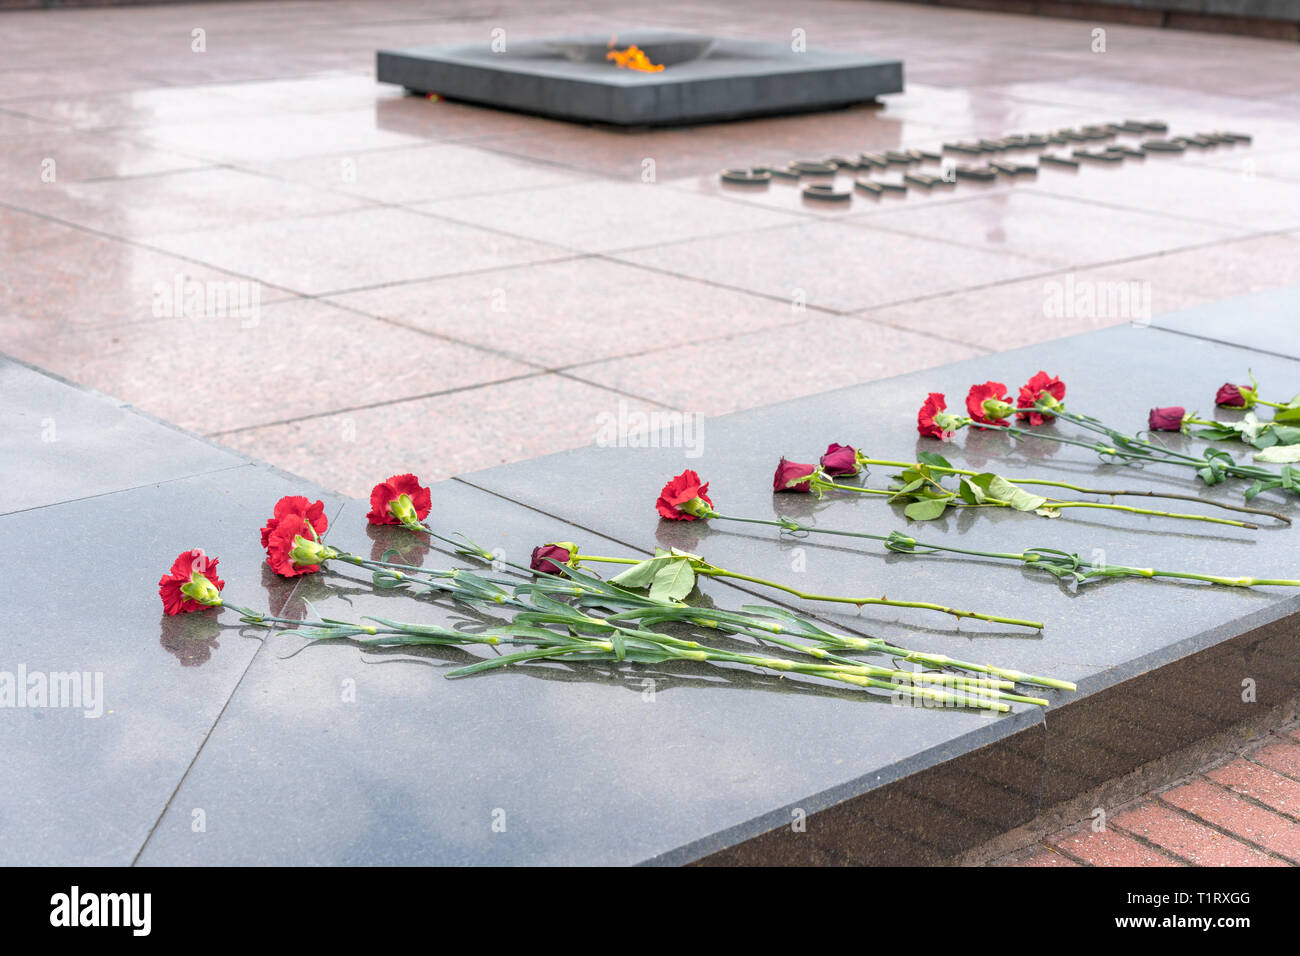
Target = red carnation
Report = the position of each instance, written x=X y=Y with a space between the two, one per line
x=994 y=393
x=294 y=515
x=192 y=583
x=925 y=423
x=675 y=500
x=1034 y=389
x=386 y=503
x=840 y=460
x=1234 y=396
x=793 y=476
x=1168 y=419
x=550 y=558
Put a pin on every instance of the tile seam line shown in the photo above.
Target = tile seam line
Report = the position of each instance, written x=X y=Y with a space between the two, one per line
x=1251 y=798
x=137 y=244
x=1188 y=219
x=1250 y=758
x=198 y=751
x=373 y=405
x=1240 y=837
x=1235 y=345
x=131 y=488
x=1166 y=851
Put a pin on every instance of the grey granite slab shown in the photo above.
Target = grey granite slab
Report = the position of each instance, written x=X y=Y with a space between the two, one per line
x=60 y=442
x=1113 y=628
x=1263 y=321
x=704 y=78
x=79 y=591
x=581 y=764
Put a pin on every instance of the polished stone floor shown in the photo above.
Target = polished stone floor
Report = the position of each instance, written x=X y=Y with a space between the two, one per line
x=499 y=282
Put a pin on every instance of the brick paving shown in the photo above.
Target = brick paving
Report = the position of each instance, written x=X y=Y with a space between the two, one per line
x=1242 y=812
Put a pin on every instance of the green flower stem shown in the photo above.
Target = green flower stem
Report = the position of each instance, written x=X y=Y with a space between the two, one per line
x=1059 y=564
x=1081 y=489
x=716 y=572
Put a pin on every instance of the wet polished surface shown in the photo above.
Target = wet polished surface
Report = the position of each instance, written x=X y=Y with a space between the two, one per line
x=463 y=241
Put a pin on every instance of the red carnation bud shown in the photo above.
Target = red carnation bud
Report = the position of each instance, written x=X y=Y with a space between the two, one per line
x=793 y=476
x=685 y=498
x=550 y=558
x=840 y=460
x=989 y=404
x=294 y=517
x=1168 y=419
x=192 y=583
x=1042 y=388
x=400 y=499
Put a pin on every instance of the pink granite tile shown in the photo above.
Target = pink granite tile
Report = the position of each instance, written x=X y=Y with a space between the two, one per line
x=816 y=355
x=25 y=161
x=422 y=173
x=1250 y=163
x=580 y=310
x=605 y=216
x=353 y=250
x=251 y=138
x=1054 y=229
x=80 y=281
x=1012 y=314
x=148 y=107
x=185 y=201
x=437 y=437
x=835 y=265
x=236 y=363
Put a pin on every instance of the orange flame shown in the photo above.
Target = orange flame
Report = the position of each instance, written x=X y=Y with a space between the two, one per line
x=633 y=58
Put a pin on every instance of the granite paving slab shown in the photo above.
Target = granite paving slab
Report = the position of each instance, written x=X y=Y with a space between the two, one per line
x=137 y=692
x=544 y=764
x=1266 y=321
x=59 y=442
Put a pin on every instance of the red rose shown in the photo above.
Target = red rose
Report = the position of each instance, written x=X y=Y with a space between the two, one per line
x=549 y=558
x=386 y=503
x=1233 y=396
x=1031 y=391
x=681 y=491
x=998 y=407
x=840 y=460
x=1168 y=419
x=294 y=515
x=793 y=476
x=925 y=423
x=192 y=583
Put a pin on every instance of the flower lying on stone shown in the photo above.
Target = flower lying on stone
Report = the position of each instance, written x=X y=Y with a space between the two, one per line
x=291 y=536
x=1236 y=396
x=793 y=476
x=840 y=460
x=191 y=584
x=400 y=499
x=1167 y=419
x=1041 y=391
x=989 y=404
x=934 y=421
x=552 y=558
x=685 y=498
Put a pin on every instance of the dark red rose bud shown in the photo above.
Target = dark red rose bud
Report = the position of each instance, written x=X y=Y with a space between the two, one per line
x=793 y=476
x=1232 y=396
x=550 y=558
x=840 y=460
x=1169 y=419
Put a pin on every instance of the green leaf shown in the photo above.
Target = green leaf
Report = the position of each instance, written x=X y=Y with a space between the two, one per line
x=1254 y=489
x=639 y=575
x=1279 y=454
x=909 y=487
x=1286 y=434
x=970 y=492
x=1048 y=512
x=1216 y=433
x=934 y=459
x=673 y=581
x=1000 y=489
x=926 y=509
x=1289 y=414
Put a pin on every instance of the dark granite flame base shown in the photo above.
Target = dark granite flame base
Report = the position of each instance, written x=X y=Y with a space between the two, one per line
x=705 y=78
